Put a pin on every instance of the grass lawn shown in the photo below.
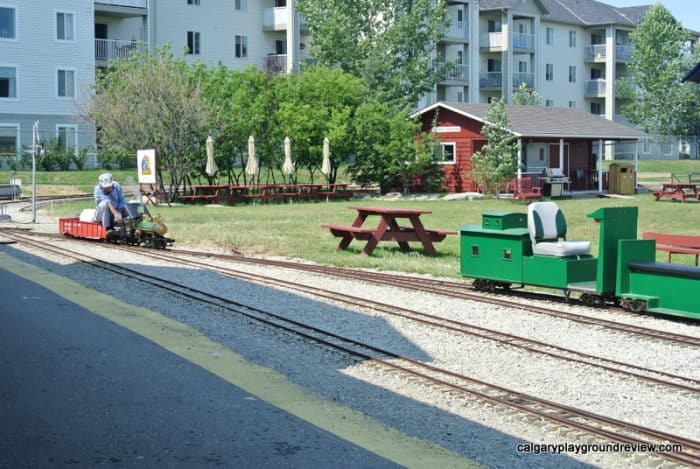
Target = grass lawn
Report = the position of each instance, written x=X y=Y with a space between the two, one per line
x=295 y=229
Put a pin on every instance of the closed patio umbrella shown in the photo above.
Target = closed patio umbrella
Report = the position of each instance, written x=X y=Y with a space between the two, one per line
x=287 y=166
x=251 y=167
x=211 y=168
x=326 y=165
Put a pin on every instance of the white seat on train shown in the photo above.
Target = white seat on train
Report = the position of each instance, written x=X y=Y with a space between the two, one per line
x=547 y=227
x=88 y=214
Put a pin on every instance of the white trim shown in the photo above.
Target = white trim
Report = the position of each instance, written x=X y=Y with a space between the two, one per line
x=75 y=82
x=55 y=27
x=17 y=95
x=18 y=141
x=16 y=8
x=75 y=134
x=454 y=152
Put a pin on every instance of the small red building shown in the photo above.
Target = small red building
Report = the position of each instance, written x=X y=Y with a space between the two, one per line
x=571 y=140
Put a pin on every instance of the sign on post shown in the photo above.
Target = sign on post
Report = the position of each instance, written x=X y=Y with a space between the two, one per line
x=146 y=165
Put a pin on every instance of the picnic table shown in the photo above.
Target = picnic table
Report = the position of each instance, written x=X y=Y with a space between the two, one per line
x=677 y=191
x=388 y=229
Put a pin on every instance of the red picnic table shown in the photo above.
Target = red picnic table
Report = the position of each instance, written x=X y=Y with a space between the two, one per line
x=677 y=191
x=388 y=229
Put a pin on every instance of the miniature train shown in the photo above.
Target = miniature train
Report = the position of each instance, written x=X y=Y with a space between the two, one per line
x=139 y=227
x=530 y=249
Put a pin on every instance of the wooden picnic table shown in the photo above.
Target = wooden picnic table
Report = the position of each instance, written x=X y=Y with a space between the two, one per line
x=677 y=191
x=388 y=229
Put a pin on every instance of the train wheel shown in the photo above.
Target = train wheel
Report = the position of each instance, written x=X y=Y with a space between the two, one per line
x=637 y=306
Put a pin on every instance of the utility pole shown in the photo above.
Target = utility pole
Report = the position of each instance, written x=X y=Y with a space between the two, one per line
x=35 y=143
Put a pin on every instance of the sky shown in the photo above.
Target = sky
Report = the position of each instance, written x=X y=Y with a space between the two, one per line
x=686 y=11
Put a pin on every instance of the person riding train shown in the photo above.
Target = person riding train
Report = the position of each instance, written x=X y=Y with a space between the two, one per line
x=109 y=198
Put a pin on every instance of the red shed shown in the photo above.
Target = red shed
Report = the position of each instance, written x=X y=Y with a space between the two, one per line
x=571 y=140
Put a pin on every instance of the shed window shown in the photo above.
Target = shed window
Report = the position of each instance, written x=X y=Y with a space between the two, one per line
x=447 y=153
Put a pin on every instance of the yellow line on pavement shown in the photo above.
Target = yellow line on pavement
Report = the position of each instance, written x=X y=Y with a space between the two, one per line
x=259 y=381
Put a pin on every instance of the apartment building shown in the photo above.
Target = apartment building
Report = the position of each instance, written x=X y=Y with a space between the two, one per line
x=50 y=51
x=569 y=51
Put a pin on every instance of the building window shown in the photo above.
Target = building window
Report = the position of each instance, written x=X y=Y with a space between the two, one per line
x=193 y=2
x=522 y=67
x=549 y=72
x=242 y=5
x=572 y=104
x=549 y=36
x=241 y=46
x=64 y=26
x=280 y=3
x=493 y=65
x=8 y=23
x=572 y=74
x=549 y=103
x=494 y=26
x=460 y=97
x=460 y=57
x=8 y=140
x=447 y=153
x=8 y=82
x=596 y=109
x=572 y=38
x=67 y=136
x=192 y=43
x=65 y=83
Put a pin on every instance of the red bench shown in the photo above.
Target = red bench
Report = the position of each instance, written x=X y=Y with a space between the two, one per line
x=523 y=189
x=675 y=244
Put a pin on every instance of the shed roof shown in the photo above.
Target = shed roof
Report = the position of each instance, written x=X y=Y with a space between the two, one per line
x=554 y=122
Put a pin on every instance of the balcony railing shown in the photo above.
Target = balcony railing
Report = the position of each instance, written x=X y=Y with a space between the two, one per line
x=458 y=30
x=124 y=3
x=527 y=78
x=595 y=87
x=491 y=80
x=275 y=19
x=491 y=40
x=599 y=52
x=277 y=63
x=523 y=41
x=458 y=73
x=111 y=49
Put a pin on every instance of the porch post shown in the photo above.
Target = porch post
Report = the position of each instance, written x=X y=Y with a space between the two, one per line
x=636 y=163
x=561 y=154
x=520 y=159
x=600 y=165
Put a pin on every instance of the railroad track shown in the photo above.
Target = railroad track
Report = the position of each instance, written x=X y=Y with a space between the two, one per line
x=458 y=290
x=601 y=426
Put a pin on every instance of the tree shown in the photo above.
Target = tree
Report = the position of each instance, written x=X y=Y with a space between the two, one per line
x=387 y=43
x=319 y=102
x=152 y=101
x=495 y=163
x=652 y=94
x=526 y=96
x=387 y=151
x=241 y=103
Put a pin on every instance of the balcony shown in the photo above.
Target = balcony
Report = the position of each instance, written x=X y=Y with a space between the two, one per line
x=277 y=63
x=527 y=78
x=599 y=53
x=492 y=41
x=491 y=80
x=112 y=49
x=595 y=88
x=123 y=3
x=458 y=31
x=275 y=19
x=458 y=73
x=523 y=41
